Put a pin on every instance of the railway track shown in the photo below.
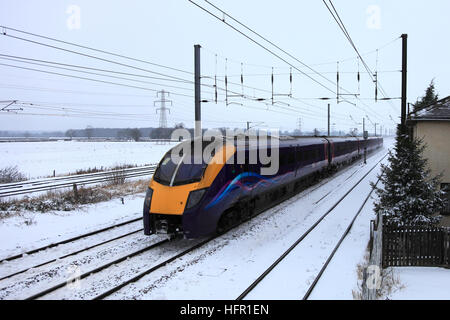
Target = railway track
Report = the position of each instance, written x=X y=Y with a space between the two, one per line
x=122 y=259
x=335 y=249
x=40 y=185
x=59 y=257
x=191 y=249
x=282 y=257
x=54 y=244
x=98 y=269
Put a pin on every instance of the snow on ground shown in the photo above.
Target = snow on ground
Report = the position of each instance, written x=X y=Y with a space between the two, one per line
x=418 y=283
x=341 y=277
x=33 y=229
x=225 y=267
x=230 y=263
x=292 y=276
x=37 y=159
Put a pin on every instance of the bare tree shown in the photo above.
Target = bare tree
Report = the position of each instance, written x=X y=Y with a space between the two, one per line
x=135 y=134
x=89 y=132
x=316 y=132
x=70 y=133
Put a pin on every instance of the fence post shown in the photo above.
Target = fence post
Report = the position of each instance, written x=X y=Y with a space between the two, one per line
x=375 y=261
x=75 y=190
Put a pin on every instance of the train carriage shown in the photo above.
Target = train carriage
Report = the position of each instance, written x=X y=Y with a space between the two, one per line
x=199 y=197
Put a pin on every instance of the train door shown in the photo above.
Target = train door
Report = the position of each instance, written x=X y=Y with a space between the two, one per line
x=330 y=152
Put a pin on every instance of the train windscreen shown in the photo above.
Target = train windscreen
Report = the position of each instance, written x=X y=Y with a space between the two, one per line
x=165 y=170
x=188 y=171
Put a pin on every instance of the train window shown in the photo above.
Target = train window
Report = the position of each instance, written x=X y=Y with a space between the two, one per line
x=291 y=158
x=298 y=156
x=310 y=156
x=305 y=156
x=165 y=170
x=283 y=159
x=316 y=155
x=189 y=171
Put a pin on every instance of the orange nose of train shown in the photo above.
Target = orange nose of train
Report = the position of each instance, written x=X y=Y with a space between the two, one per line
x=172 y=199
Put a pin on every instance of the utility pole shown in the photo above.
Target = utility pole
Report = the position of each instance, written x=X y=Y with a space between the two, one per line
x=328 y=119
x=364 y=127
x=198 y=116
x=299 y=123
x=366 y=136
x=404 y=76
x=162 y=109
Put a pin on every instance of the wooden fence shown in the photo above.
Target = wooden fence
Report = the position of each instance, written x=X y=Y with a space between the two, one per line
x=415 y=246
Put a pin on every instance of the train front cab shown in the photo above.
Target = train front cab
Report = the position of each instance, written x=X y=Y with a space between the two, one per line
x=178 y=193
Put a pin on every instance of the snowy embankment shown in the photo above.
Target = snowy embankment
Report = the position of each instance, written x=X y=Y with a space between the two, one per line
x=417 y=283
x=39 y=159
x=30 y=230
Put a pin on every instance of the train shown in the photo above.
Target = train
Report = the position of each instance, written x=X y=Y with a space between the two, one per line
x=201 y=197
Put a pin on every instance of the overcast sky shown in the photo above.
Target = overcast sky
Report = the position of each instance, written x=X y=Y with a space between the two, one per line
x=164 y=32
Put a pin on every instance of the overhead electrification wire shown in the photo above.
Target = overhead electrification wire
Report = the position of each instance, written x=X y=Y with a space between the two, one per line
x=337 y=18
x=262 y=46
x=357 y=57
x=102 y=59
x=93 y=57
x=169 y=77
x=89 y=79
x=259 y=44
x=268 y=41
x=96 y=50
x=94 y=69
x=95 y=73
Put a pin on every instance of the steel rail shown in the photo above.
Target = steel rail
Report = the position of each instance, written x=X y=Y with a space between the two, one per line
x=54 y=244
x=70 y=254
x=96 y=270
x=73 y=177
x=164 y=263
x=145 y=272
x=106 y=178
x=347 y=231
x=304 y=235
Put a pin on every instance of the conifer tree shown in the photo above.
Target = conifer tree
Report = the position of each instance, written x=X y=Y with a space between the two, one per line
x=408 y=195
x=429 y=98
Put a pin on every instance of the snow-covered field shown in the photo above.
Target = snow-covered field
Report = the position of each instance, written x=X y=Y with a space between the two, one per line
x=37 y=159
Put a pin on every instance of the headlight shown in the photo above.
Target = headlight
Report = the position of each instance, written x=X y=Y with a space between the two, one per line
x=195 y=197
x=148 y=198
